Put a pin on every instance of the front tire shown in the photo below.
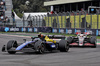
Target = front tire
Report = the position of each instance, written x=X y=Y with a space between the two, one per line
x=93 y=41
x=93 y=47
x=11 y=44
x=11 y=52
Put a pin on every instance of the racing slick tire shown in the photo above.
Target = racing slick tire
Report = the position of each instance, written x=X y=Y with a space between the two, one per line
x=69 y=39
x=39 y=47
x=63 y=46
x=93 y=41
x=10 y=44
x=94 y=46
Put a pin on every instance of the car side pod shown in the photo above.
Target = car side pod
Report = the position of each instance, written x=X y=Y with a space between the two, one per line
x=22 y=46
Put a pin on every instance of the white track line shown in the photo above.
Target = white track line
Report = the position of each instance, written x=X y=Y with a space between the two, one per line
x=98 y=43
x=15 y=35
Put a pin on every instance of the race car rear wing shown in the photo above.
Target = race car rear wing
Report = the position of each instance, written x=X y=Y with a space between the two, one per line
x=56 y=36
x=86 y=33
x=78 y=33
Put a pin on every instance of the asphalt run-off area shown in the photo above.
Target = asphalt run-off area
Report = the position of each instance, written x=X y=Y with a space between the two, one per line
x=75 y=57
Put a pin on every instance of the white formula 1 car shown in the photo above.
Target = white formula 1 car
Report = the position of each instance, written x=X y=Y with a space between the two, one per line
x=82 y=40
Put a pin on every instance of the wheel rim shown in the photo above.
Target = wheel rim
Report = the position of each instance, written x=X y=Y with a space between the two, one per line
x=56 y=46
x=42 y=49
x=67 y=47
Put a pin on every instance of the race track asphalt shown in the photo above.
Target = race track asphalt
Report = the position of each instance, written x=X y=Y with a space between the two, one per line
x=75 y=56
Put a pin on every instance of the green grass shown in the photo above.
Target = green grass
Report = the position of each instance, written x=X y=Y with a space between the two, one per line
x=98 y=37
x=16 y=32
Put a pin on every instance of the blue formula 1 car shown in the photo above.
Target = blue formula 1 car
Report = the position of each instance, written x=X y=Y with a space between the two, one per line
x=38 y=44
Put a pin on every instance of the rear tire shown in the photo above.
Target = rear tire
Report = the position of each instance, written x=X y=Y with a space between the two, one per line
x=69 y=39
x=94 y=47
x=63 y=46
x=10 y=44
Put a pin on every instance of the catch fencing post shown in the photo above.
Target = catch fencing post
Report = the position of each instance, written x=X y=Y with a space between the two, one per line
x=97 y=32
x=58 y=20
x=51 y=20
x=45 y=20
x=48 y=20
x=61 y=19
x=39 y=20
x=65 y=21
x=69 y=20
x=35 y=21
x=42 y=20
x=23 y=21
x=97 y=20
x=85 y=21
x=55 y=16
x=91 y=22
x=74 y=19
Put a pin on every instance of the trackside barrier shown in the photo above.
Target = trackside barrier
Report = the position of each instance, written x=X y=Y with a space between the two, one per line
x=95 y=32
x=26 y=29
x=73 y=31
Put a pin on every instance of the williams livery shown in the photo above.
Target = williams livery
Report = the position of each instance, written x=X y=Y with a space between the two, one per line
x=38 y=44
x=82 y=40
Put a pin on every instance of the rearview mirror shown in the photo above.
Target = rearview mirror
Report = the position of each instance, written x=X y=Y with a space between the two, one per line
x=32 y=38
